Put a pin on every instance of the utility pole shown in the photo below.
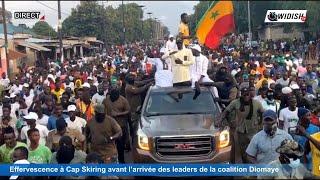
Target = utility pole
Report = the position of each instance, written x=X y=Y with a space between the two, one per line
x=123 y=25
x=149 y=13
x=141 y=6
x=59 y=32
x=104 y=25
x=4 y=22
x=249 y=24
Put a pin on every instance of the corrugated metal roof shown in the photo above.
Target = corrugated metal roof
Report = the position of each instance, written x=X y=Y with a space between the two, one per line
x=32 y=46
x=37 y=40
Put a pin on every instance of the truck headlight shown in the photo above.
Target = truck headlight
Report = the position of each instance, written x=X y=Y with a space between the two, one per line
x=224 y=138
x=143 y=141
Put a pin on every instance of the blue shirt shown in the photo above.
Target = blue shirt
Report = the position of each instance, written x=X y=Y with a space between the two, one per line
x=52 y=121
x=263 y=147
x=302 y=141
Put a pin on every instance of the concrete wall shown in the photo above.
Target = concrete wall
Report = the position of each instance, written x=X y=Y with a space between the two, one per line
x=276 y=33
x=31 y=57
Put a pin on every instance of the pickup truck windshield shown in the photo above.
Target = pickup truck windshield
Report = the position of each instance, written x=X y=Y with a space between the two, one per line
x=175 y=103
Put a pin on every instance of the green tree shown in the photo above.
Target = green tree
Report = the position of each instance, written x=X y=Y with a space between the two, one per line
x=87 y=19
x=91 y=19
x=44 y=29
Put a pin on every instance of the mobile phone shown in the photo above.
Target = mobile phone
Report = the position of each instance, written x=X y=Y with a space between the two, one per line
x=185 y=58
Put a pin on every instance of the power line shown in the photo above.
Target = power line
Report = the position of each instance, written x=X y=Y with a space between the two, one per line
x=51 y=8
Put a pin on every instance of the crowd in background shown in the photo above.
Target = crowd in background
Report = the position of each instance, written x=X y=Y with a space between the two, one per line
x=83 y=110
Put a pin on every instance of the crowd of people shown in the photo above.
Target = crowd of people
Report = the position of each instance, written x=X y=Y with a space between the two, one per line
x=84 y=110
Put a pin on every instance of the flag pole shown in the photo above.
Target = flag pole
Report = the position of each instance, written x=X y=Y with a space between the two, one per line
x=249 y=24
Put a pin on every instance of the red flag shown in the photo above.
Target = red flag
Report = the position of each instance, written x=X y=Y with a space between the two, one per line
x=42 y=18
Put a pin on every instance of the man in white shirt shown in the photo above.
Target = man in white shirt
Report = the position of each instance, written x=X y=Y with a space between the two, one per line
x=269 y=102
x=15 y=87
x=171 y=44
x=4 y=81
x=98 y=97
x=163 y=76
x=42 y=118
x=28 y=94
x=15 y=106
x=288 y=117
x=284 y=81
x=32 y=119
x=262 y=95
x=75 y=122
x=200 y=67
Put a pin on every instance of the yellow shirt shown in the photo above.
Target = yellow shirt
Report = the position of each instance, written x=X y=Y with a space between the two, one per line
x=184 y=30
x=181 y=72
x=58 y=94
x=315 y=156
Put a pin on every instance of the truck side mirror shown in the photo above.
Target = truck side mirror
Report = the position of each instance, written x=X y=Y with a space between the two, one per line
x=138 y=110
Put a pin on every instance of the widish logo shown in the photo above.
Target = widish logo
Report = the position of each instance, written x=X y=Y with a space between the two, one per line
x=286 y=16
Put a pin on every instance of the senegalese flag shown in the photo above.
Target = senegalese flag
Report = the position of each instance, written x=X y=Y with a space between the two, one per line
x=215 y=23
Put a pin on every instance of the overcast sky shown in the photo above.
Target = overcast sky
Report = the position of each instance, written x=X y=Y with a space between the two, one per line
x=167 y=11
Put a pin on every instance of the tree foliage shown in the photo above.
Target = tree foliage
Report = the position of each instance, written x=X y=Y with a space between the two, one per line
x=258 y=12
x=44 y=29
x=106 y=23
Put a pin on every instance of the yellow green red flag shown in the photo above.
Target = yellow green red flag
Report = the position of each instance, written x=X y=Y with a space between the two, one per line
x=215 y=23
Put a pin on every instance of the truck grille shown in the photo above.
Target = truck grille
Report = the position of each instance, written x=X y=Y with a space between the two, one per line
x=184 y=146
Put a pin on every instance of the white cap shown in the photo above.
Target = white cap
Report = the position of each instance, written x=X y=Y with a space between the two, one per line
x=286 y=90
x=86 y=85
x=170 y=36
x=12 y=95
x=294 y=86
x=196 y=47
x=22 y=161
x=90 y=78
x=72 y=108
x=26 y=85
x=287 y=55
x=51 y=76
x=31 y=115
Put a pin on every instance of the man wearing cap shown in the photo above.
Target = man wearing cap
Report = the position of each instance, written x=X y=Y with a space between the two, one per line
x=62 y=130
x=288 y=163
x=262 y=147
x=163 y=76
x=101 y=133
x=31 y=120
x=171 y=44
x=200 y=67
x=247 y=122
x=27 y=94
x=75 y=122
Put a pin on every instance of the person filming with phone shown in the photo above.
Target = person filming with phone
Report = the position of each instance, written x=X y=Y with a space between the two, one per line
x=305 y=133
